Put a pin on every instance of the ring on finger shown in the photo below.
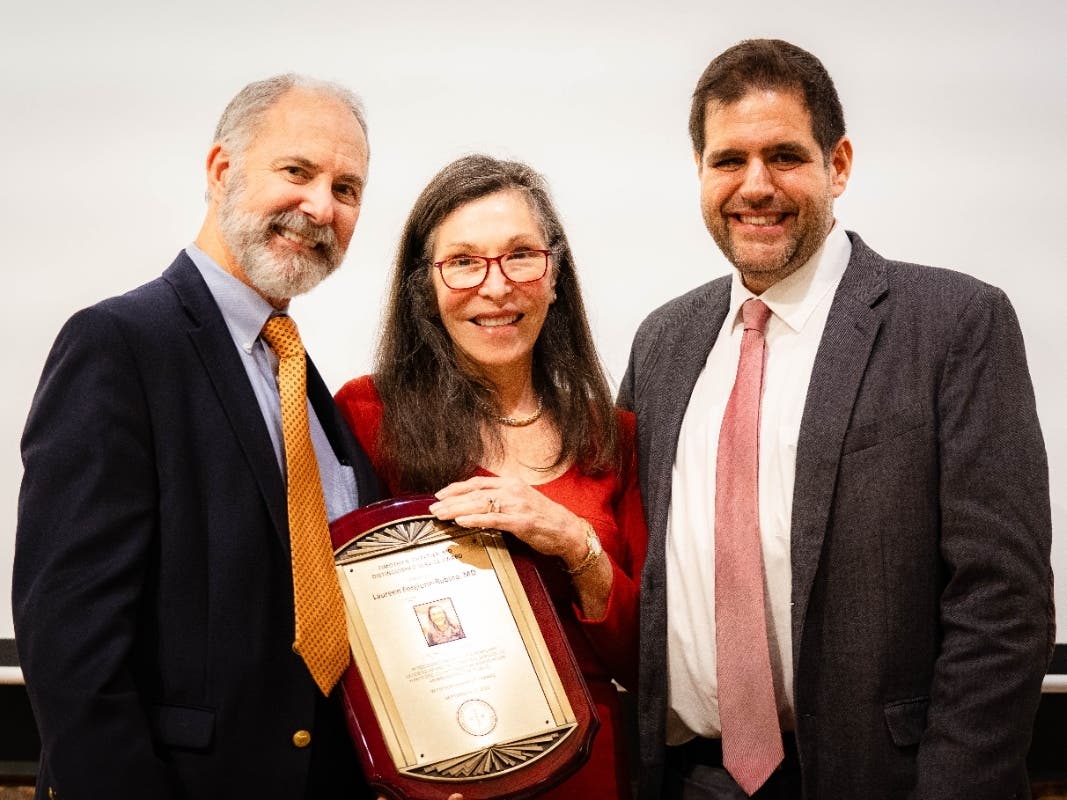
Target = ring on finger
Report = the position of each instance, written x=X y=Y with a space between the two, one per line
x=494 y=507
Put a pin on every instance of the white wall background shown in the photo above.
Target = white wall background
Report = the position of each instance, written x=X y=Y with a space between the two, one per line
x=956 y=109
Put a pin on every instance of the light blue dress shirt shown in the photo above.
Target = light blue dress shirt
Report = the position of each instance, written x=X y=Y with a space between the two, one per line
x=245 y=313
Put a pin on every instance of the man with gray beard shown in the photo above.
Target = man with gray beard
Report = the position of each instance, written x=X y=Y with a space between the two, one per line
x=153 y=587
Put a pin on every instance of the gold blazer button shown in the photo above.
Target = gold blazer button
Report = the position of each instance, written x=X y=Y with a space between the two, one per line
x=302 y=738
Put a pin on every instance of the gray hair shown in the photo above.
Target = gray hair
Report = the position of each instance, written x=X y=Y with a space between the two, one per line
x=242 y=117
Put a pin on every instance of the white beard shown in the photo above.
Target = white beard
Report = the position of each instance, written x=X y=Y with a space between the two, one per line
x=279 y=276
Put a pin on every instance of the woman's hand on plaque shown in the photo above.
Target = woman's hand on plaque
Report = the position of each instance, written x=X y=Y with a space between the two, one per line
x=510 y=504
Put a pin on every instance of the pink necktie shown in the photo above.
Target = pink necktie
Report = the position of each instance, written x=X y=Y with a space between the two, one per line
x=751 y=738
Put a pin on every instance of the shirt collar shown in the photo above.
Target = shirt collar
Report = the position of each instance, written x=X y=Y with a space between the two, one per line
x=243 y=309
x=794 y=298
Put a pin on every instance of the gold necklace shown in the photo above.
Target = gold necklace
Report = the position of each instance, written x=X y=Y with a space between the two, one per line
x=520 y=422
x=542 y=470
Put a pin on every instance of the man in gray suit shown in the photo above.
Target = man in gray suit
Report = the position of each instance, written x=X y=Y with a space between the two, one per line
x=899 y=488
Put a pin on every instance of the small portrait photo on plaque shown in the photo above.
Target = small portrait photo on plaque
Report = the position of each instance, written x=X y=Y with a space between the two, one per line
x=439 y=622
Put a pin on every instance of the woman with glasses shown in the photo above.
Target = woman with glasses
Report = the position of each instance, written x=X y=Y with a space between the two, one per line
x=488 y=392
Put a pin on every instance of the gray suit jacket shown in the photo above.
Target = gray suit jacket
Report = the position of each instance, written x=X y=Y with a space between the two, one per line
x=920 y=535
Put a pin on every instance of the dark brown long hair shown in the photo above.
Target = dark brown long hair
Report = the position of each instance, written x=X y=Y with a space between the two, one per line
x=437 y=406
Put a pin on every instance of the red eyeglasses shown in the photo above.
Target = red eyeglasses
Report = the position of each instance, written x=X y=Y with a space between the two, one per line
x=518 y=266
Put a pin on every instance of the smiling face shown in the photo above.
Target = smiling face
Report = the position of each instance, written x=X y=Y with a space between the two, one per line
x=495 y=325
x=766 y=191
x=287 y=206
x=438 y=618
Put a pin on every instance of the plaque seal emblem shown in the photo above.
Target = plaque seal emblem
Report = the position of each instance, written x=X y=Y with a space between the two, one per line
x=476 y=717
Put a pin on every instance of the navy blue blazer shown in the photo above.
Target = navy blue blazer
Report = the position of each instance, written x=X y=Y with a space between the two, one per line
x=921 y=530
x=152 y=590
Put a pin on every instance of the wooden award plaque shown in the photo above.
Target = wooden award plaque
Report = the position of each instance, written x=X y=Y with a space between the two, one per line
x=462 y=678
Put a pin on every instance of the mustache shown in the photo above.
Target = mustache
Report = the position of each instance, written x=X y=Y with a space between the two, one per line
x=756 y=209
x=298 y=223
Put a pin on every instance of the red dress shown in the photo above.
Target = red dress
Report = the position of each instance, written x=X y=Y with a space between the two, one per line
x=604 y=648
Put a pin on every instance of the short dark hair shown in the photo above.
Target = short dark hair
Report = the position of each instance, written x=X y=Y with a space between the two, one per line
x=436 y=407
x=770 y=64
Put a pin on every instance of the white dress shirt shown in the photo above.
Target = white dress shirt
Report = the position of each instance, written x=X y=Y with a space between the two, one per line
x=800 y=305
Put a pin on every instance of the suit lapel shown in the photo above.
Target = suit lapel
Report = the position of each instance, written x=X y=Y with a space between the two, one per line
x=212 y=341
x=676 y=368
x=841 y=360
x=669 y=358
x=344 y=444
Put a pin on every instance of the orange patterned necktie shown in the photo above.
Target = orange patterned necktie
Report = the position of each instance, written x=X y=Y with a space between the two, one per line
x=748 y=715
x=321 y=633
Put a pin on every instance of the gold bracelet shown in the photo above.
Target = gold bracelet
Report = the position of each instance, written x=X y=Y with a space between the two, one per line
x=595 y=550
